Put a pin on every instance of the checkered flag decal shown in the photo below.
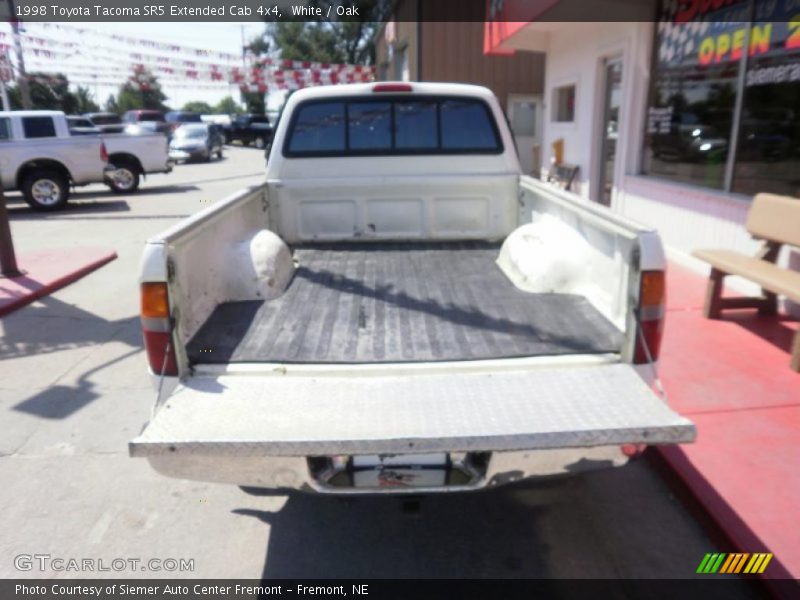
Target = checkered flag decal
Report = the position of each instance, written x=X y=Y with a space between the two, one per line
x=677 y=41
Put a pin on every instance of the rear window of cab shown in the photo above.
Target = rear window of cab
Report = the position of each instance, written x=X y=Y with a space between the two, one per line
x=392 y=126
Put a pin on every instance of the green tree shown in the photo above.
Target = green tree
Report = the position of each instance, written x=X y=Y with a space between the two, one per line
x=259 y=45
x=255 y=103
x=85 y=101
x=228 y=106
x=302 y=40
x=49 y=91
x=141 y=91
x=348 y=39
x=111 y=104
x=204 y=108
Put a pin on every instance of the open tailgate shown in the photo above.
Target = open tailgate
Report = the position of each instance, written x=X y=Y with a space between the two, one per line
x=304 y=415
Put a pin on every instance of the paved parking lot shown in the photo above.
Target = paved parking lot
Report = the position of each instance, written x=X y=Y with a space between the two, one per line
x=74 y=390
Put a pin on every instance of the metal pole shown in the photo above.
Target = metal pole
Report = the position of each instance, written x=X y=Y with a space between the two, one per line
x=8 y=259
x=25 y=93
x=244 y=48
x=242 y=98
x=737 y=107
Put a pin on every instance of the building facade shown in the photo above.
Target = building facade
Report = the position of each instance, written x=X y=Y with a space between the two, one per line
x=675 y=121
x=418 y=44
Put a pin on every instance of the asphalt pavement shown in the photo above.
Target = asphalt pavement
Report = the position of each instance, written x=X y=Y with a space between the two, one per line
x=74 y=389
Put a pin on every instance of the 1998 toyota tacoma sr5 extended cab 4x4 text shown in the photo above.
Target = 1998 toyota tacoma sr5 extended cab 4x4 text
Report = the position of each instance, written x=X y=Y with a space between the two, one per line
x=397 y=309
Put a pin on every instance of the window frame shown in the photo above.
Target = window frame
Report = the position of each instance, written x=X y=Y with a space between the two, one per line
x=392 y=99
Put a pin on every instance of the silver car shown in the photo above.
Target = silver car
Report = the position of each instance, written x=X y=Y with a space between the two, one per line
x=195 y=141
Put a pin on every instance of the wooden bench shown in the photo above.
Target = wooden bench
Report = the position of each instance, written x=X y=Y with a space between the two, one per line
x=776 y=221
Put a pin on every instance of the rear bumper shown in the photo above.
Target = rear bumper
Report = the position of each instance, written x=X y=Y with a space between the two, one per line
x=294 y=473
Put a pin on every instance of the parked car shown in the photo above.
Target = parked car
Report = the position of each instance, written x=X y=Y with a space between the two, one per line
x=175 y=118
x=196 y=141
x=42 y=159
x=154 y=117
x=81 y=126
x=398 y=309
x=107 y=122
x=249 y=129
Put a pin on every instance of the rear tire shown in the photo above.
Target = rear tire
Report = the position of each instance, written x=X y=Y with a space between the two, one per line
x=126 y=179
x=46 y=190
x=261 y=143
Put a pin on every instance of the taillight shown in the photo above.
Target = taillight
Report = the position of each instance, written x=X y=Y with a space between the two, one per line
x=157 y=329
x=631 y=450
x=392 y=87
x=651 y=313
x=103 y=152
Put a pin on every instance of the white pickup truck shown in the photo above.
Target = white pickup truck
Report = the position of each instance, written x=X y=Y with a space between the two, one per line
x=39 y=157
x=397 y=309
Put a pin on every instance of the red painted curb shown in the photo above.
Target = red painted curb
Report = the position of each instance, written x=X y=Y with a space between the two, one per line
x=731 y=377
x=726 y=518
x=38 y=284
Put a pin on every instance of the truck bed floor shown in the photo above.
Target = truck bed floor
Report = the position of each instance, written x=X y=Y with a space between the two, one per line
x=367 y=303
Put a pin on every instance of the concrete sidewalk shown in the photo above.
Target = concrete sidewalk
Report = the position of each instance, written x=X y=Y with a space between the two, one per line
x=731 y=377
x=45 y=271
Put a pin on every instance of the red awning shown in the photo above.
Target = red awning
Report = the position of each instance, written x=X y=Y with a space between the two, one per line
x=504 y=18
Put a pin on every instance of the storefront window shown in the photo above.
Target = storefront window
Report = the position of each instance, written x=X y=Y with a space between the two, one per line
x=768 y=152
x=696 y=131
x=691 y=107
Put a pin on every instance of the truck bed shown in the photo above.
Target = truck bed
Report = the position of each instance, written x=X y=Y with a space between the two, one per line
x=373 y=303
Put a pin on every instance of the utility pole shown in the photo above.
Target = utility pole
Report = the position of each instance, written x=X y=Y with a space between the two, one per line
x=8 y=258
x=242 y=97
x=25 y=93
x=244 y=47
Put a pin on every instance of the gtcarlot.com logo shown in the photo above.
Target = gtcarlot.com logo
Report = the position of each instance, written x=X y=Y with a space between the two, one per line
x=47 y=562
x=741 y=562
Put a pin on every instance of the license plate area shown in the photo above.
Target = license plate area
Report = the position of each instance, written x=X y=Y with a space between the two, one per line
x=399 y=471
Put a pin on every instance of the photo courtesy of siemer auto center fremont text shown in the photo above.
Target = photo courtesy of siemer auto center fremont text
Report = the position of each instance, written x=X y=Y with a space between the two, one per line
x=391 y=299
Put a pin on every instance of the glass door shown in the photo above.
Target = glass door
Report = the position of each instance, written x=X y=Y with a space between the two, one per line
x=524 y=116
x=612 y=99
